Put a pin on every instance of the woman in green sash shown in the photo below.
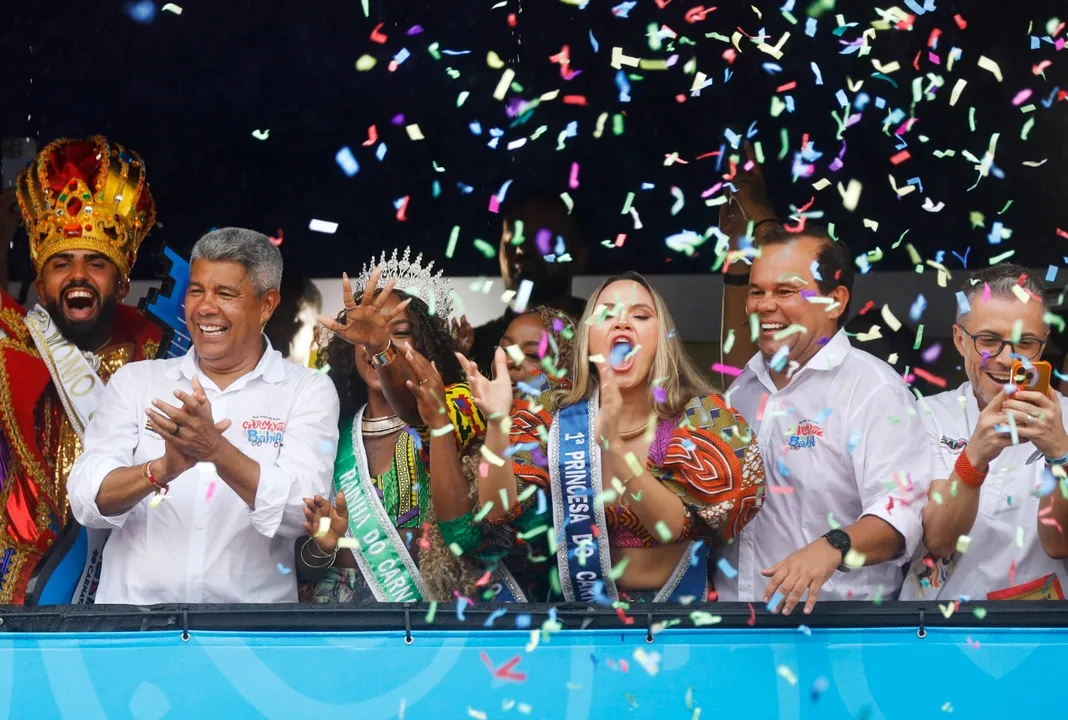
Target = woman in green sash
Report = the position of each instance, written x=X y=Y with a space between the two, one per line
x=405 y=420
x=625 y=476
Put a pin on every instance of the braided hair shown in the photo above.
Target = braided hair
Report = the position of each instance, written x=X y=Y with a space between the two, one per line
x=430 y=336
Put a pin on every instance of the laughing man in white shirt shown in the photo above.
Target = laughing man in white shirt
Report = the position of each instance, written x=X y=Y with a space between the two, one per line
x=1006 y=500
x=841 y=440
x=199 y=465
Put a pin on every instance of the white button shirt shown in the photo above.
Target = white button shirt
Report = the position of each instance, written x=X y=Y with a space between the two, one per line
x=840 y=441
x=1004 y=539
x=202 y=543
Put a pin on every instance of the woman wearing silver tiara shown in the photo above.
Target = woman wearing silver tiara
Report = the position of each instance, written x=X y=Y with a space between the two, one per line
x=404 y=420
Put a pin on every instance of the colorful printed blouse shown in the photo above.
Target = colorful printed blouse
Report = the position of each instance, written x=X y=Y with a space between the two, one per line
x=404 y=488
x=707 y=456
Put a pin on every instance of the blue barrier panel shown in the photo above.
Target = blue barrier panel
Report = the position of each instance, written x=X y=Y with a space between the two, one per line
x=749 y=673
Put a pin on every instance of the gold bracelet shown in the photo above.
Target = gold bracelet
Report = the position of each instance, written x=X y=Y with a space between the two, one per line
x=329 y=558
x=385 y=357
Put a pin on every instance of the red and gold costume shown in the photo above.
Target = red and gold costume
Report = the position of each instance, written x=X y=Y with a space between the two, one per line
x=78 y=195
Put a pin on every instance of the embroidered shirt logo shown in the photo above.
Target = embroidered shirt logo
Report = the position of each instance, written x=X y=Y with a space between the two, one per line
x=954 y=445
x=263 y=430
x=803 y=435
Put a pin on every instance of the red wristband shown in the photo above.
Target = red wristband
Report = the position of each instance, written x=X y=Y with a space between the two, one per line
x=161 y=489
x=967 y=472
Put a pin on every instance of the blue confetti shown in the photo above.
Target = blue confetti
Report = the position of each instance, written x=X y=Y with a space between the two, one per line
x=725 y=568
x=771 y=68
x=475 y=127
x=1048 y=102
x=1051 y=273
x=962 y=304
x=623 y=9
x=1034 y=43
x=461 y=605
x=783 y=470
x=994 y=238
x=814 y=268
x=810 y=27
x=380 y=151
x=694 y=547
x=915 y=7
x=880 y=103
x=854 y=440
x=818 y=74
x=916 y=311
x=495 y=615
x=778 y=360
x=283 y=569
x=964 y=259
x=455 y=52
x=593 y=42
x=143 y=12
x=915 y=181
x=543 y=504
x=347 y=161
x=843 y=100
x=465 y=189
x=773 y=604
x=401 y=56
x=624 y=86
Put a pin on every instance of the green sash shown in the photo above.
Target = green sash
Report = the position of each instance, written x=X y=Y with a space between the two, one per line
x=382 y=557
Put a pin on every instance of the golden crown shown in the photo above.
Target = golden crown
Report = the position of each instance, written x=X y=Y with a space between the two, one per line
x=86 y=195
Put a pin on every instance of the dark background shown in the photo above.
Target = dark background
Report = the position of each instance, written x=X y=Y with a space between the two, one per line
x=186 y=91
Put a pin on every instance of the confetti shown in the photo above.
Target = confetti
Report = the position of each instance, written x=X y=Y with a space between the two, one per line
x=323 y=226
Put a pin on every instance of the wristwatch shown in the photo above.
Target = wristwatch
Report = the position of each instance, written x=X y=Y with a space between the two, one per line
x=839 y=540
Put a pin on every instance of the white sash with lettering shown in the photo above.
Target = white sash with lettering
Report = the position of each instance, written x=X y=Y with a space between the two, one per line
x=80 y=390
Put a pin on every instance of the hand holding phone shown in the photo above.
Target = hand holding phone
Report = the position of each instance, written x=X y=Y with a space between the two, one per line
x=1035 y=378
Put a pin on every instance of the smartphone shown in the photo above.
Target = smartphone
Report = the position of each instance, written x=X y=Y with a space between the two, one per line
x=1036 y=378
x=17 y=154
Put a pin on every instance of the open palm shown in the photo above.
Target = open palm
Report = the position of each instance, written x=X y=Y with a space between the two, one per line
x=492 y=397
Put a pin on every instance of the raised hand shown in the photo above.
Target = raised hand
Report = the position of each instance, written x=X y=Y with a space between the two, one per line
x=492 y=397
x=748 y=202
x=428 y=389
x=1038 y=419
x=190 y=429
x=463 y=333
x=319 y=507
x=366 y=322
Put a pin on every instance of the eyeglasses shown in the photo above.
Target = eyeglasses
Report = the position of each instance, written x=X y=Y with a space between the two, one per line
x=991 y=345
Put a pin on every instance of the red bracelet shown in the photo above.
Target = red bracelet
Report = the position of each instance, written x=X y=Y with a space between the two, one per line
x=967 y=472
x=161 y=489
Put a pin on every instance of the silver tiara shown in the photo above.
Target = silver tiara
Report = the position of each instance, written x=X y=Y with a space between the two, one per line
x=413 y=279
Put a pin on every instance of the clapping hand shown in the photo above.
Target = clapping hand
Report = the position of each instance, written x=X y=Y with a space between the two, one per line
x=492 y=397
x=367 y=322
x=190 y=433
x=428 y=389
x=317 y=508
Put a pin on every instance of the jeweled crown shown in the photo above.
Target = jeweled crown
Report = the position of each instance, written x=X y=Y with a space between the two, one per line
x=86 y=195
x=411 y=278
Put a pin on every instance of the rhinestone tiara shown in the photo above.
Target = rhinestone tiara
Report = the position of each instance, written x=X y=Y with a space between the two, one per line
x=412 y=279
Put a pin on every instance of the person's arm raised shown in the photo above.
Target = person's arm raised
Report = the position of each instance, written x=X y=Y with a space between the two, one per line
x=494 y=399
x=367 y=324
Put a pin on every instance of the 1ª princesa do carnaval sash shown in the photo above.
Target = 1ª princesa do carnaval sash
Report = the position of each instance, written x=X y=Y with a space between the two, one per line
x=80 y=390
x=584 y=558
x=385 y=562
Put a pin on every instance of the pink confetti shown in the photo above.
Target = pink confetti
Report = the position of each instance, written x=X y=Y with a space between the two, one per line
x=543 y=344
x=726 y=369
x=573 y=181
x=934 y=58
x=986 y=292
x=781 y=489
x=973 y=644
x=211 y=491
x=1021 y=96
x=494 y=204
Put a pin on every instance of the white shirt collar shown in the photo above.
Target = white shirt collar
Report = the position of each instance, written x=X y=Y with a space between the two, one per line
x=828 y=357
x=270 y=367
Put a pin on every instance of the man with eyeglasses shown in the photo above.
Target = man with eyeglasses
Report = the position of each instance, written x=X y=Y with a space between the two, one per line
x=994 y=528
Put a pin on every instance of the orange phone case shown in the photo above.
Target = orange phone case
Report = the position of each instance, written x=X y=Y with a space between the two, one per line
x=1036 y=379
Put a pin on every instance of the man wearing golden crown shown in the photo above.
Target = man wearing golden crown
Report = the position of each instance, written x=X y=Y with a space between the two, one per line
x=87 y=208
